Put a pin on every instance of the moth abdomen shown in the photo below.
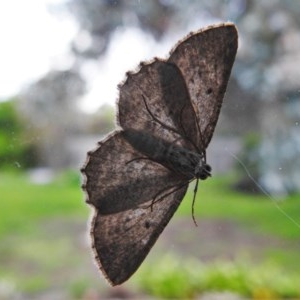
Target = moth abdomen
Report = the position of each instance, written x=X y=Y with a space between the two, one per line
x=187 y=163
x=154 y=148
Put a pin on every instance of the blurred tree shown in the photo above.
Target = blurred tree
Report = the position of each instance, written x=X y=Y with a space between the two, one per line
x=102 y=121
x=49 y=107
x=99 y=19
x=264 y=77
x=16 y=151
x=268 y=68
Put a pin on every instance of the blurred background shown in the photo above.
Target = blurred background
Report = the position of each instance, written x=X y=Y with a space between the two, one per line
x=61 y=62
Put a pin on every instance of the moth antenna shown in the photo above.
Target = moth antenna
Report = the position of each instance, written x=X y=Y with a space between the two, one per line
x=193 y=203
x=263 y=190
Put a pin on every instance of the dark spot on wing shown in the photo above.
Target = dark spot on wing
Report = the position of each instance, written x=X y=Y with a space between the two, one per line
x=209 y=91
x=147 y=224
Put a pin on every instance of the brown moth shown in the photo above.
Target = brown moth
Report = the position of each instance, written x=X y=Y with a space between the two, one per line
x=138 y=175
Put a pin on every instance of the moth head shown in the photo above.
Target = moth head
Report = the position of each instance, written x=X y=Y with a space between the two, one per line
x=202 y=170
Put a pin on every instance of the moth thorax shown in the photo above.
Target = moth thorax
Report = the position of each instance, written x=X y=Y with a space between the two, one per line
x=202 y=170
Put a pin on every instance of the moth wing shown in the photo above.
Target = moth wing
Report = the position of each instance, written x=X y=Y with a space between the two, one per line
x=118 y=178
x=205 y=59
x=160 y=86
x=125 y=226
x=121 y=241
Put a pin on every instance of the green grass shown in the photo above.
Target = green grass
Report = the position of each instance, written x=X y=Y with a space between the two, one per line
x=23 y=203
x=28 y=247
x=33 y=256
x=215 y=198
x=167 y=278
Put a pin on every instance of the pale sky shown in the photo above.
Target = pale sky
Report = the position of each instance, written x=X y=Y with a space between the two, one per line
x=33 y=41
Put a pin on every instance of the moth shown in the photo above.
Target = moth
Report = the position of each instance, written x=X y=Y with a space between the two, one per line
x=138 y=175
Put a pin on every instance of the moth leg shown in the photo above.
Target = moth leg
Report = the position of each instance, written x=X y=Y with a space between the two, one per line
x=174 y=189
x=186 y=138
x=198 y=129
x=180 y=120
x=137 y=158
x=157 y=120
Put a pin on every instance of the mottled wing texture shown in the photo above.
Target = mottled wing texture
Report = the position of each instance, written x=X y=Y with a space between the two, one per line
x=124 y=227
x=205 y=59
x=162 y=86
x=165 y=103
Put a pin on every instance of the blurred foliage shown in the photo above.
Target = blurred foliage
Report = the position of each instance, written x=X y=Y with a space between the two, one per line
x=79 y=288
x=264 y=72
x=272 y=163
x=219 y=200
x=42 y=229
x=248 y=158
x=99 y=19
x=54 y=95
x=167 y=278
x=49 y=107
x=265 y=75
x=61 y=197
x=16 y=151
x=267 y=32
x=102 y=121
x=279 y=162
